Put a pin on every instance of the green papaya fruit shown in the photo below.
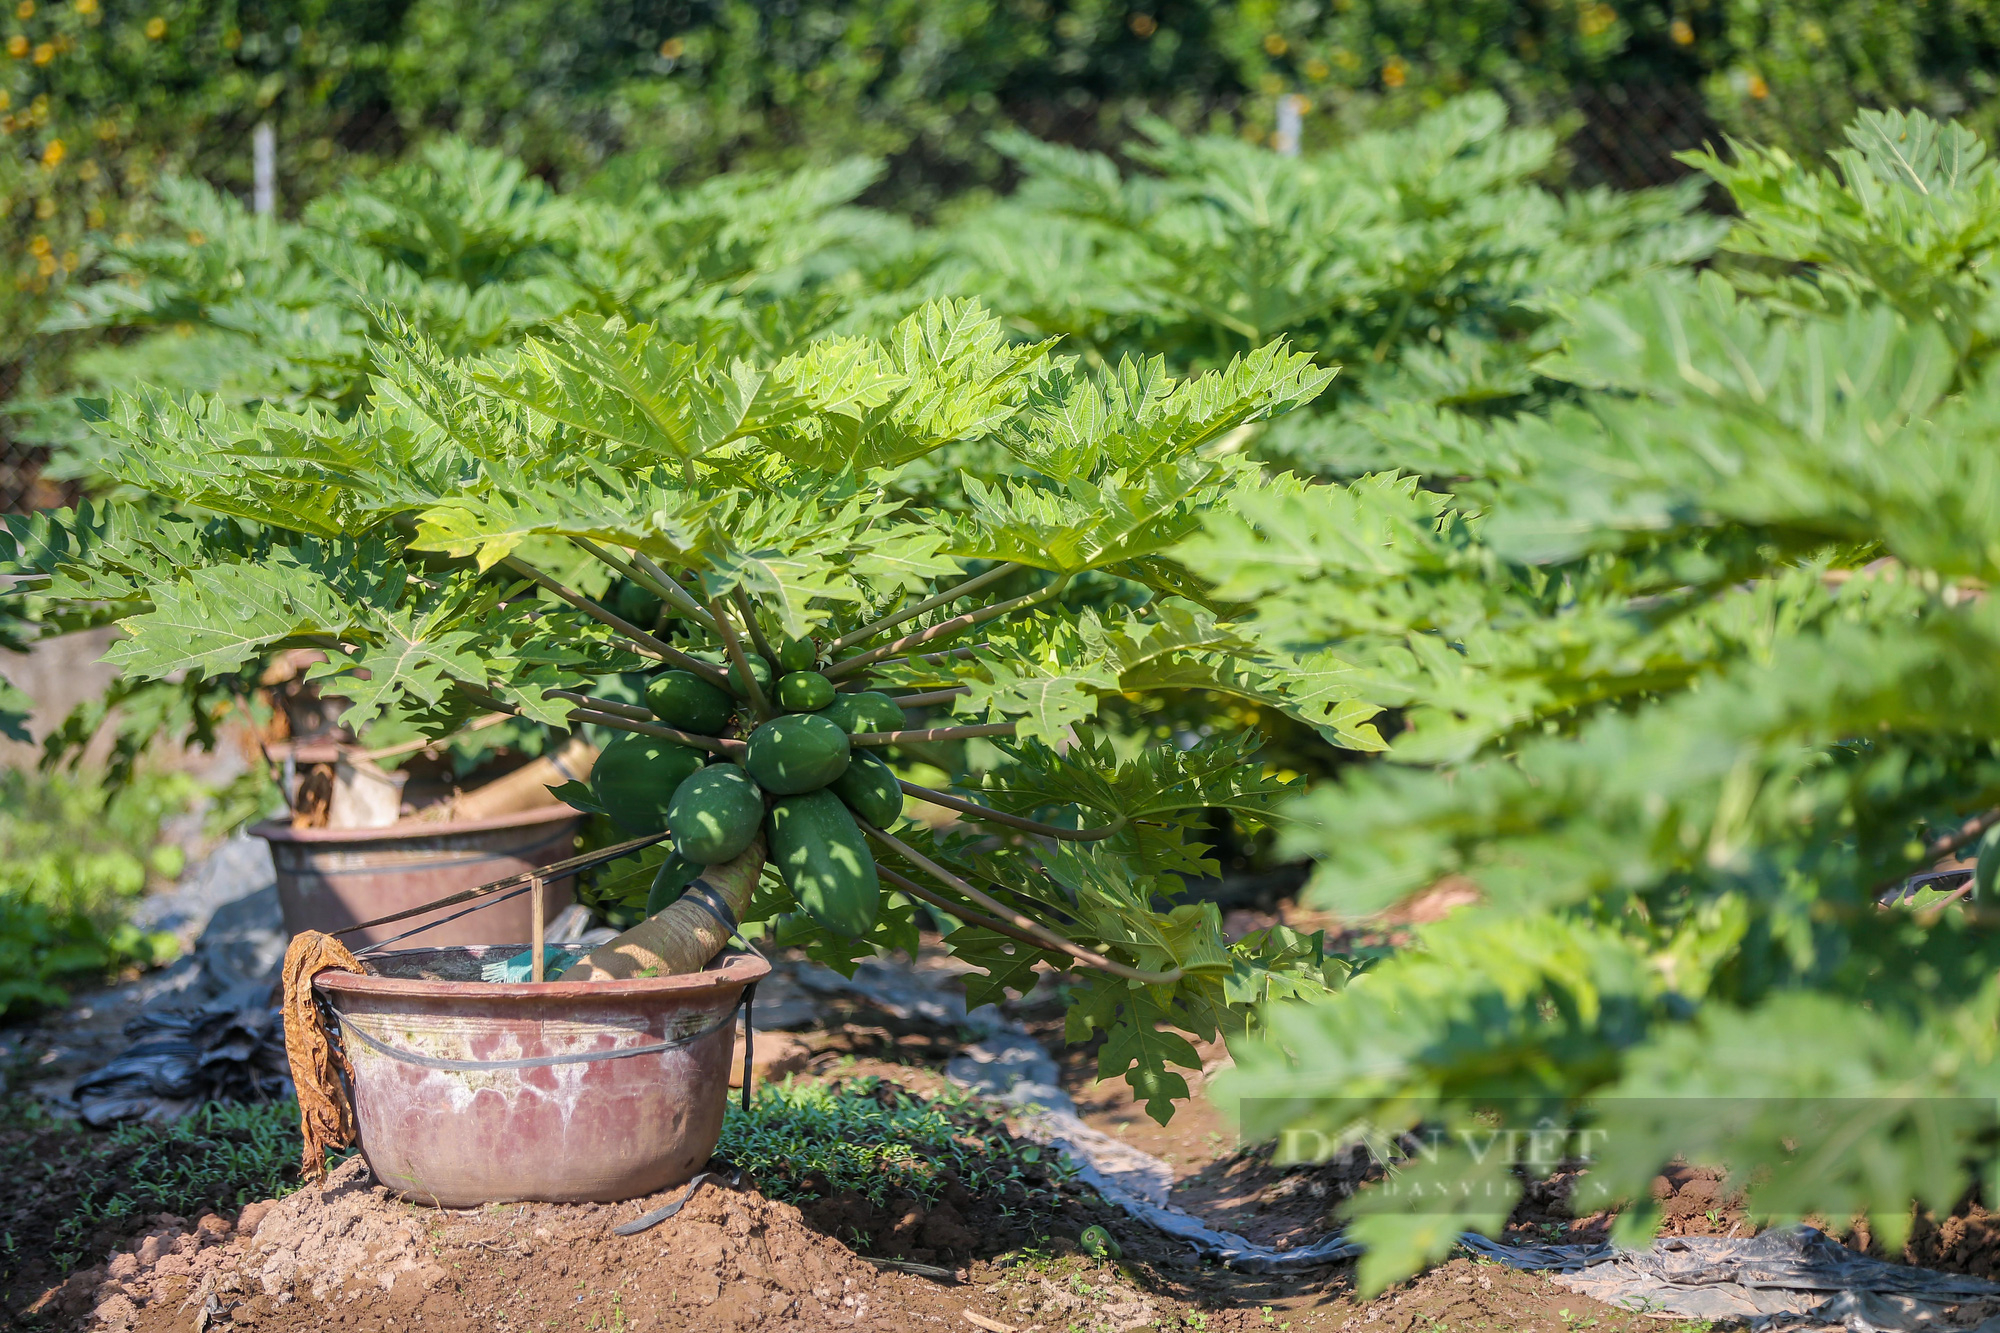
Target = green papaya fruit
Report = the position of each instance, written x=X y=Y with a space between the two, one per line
x=673 y=876
x=796 y=654
x=760 y=671
x=825 y=862
x=715 y=814
x=636 y=776
x=869 y=710
x=683 y=699
x=804 y=692
x=1987 y=868
x=797 y=753
x=869 y=788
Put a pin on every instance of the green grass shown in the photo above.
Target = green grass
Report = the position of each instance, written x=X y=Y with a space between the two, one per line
x=73 y=857
x=813 y=1140
x=216 y=1159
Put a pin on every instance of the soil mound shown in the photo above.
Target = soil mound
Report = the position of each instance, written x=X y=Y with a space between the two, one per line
x=353 y=1255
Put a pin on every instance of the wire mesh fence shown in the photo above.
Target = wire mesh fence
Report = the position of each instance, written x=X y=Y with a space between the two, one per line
x=23 y=485
x=1632 y=131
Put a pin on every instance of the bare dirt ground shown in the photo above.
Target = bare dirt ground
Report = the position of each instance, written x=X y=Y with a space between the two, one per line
x=352 y=1257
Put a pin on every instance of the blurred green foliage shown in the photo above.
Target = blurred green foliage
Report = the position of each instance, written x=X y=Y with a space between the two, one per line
x=101 y=98
x=72 y=857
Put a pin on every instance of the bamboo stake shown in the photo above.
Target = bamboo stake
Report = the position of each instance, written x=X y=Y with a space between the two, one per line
x=537 y=965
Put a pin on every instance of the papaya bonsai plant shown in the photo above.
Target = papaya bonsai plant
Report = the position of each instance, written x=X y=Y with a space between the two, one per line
x=827 y=623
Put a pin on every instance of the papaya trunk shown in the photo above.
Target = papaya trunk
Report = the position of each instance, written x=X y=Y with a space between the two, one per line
x=681 y=938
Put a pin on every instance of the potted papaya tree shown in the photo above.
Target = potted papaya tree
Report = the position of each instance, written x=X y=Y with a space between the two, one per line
x=936 y=554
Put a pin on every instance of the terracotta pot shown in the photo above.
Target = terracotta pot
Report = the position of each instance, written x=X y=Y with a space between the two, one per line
x=329 y=879
x=469 y=1092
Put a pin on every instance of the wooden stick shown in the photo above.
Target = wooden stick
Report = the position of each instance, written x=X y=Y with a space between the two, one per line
x=538 y=968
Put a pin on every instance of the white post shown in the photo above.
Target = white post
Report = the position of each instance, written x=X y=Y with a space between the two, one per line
x=1291 y=121
x=264 y=162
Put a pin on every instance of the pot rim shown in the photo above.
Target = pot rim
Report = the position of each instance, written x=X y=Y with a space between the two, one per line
x=413 y=830
x=737 y=969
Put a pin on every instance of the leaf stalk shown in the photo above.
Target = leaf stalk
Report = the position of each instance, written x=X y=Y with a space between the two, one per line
x=653 y=647
x=945 y=598
x=1042 y=933
x=943 y=629
x=992 y=816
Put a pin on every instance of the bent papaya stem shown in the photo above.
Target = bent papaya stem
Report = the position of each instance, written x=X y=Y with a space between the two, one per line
x=932 y=734
x=713 y=744
x=734 y=647
x=671 y=586
x=649 y=645
x=988 y=813
x=942 y=630
x=945 y=598
x=966 y=914
x=930 y=697
x=680 y=938
x=1027 y=923
x=859 y=681
x=663 y=588
x=611 y=706
x=749 y=614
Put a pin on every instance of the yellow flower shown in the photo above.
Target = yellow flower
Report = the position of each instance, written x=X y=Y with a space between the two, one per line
x=52 y=156
x=1758 y=88
x=39 y=246
x=196 y=239
x=1143 y=25
x=86 y=7
x=1317 y=68
x=1595 y=19
x=1275 y=44
x=6 y=99
x=156 y=27
x=46 y=265
x=45 y=53
x=671 y=49
x=87 y=172
x=25 y=10
x=45 y=208
x=1395 y=72
x=1682 y=34
x=17 y=46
